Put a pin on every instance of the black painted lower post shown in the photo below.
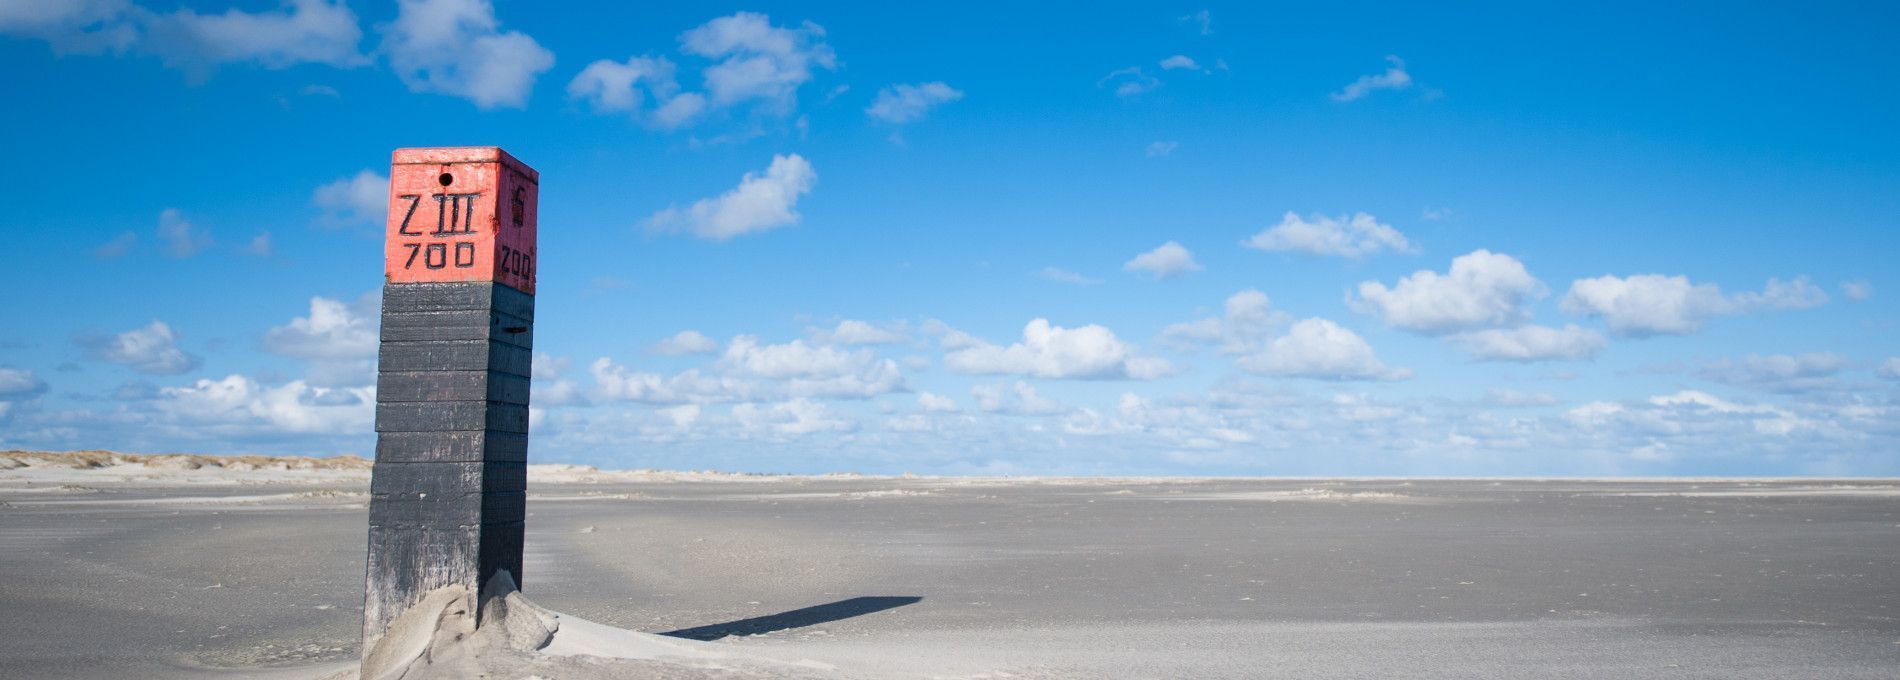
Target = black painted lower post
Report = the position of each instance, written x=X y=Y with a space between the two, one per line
x=448 y=491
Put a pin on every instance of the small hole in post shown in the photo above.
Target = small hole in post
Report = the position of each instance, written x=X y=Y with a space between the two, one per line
x=446 y=179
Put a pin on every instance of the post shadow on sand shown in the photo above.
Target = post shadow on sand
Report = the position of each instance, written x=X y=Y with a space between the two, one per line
x=797 y=618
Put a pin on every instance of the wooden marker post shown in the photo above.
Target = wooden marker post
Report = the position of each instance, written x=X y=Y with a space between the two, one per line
x=448 y=491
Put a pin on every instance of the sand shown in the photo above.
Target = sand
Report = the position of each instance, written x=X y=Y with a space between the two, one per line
x=229 y=568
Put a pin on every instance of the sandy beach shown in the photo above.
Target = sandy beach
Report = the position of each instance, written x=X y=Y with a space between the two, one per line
x=170 y=568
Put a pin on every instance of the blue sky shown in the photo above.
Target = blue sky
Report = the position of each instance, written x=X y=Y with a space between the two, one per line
x=1132 y=239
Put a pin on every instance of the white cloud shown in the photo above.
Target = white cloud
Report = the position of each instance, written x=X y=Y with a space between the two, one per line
x=685 y=342
x=20 y=385
x=614 y=86
x=796 y=417
x=457 y=48
x=339 y=341
x=1179 y=61
x=1061 y=275
x=1889 y=369
x=749 y=370
x=152 y=349
x=1481 y=289
x=1394 y=78
x=331 y=332
x=1248 y=316
x=949 y=338
x=551 y=386
x=1533 y=343
x=1165 y=262
x=1129 y=82
x=899 y=104
x=759 y=61
x=1019 y=399
x=1162 y=148
x=755 y=62
x=854 y=332
x=1652 y=304
x=117 y=247
x=181 y=239
x=237 y=403
x=1688 y=414
x=259 y=245
x=1798 y=294
x=1318 y=348
x=613 y=381
x=1858 y=289
x=74 y=25
x=303 y=31
x=1049 y=351
x=759 y=203
x=1356 y=236
x=1509 y=398
x=933 y=403
x=359 y=199
x=1779 y=372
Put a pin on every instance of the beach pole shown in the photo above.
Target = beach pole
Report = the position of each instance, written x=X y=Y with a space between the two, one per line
x=448 y=490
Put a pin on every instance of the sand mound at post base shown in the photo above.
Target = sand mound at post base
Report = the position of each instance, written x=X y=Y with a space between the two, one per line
x=438 y=639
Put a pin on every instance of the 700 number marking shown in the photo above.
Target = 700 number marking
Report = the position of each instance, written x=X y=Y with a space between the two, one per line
x=436 y=255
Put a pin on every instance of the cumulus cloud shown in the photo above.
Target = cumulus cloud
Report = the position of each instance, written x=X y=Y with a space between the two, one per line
x=932 y=403
x=899 y=104
x=1482 y=289
x=333 y=331
x=360 y=199
x=298 y=32
x=1019 y=399
x=854 y=332
x=616 y=86
x=180 y=237
x=793 y=418
x=1533 y=343
x=750 y=370
x=338 y=339
x=75 y=25
x=238 y=403
x=117 y=247
x=302 y=31
x=152 y=349
x=1889 y=369
x=1786 y=373
x=1060 y=275
x=1356 y=236
x=21 y=385
x=1050 y=351
x=1248 y=317
x=457 y=48
x=685 y=342
x=1509 y=398
x=1179 y=61
x=1687 y=413
x=1166 y=261
x=1858 y=289
x=1652 y=304
x=758 y=60
x=1320 y=349
x=754 y=62
x=1129 y=82
x=1394 y=78
x=761 y=202
x=552 y=387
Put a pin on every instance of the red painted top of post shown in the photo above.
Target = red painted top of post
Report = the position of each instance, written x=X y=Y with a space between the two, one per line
x=461 y=214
